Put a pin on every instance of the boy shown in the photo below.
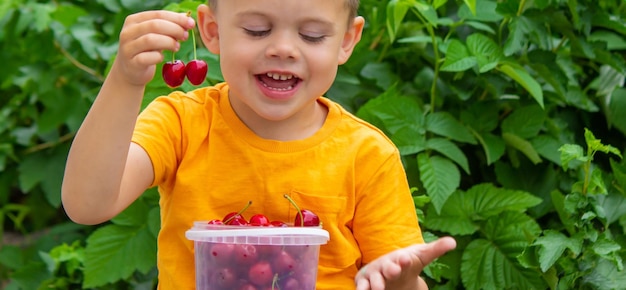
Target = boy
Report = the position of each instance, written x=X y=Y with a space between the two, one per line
x=263 y=133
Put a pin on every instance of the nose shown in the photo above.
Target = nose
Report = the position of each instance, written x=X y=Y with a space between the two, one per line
x=283 y=46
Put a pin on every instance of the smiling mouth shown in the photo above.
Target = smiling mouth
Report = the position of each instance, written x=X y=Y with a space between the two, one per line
x=278 y=82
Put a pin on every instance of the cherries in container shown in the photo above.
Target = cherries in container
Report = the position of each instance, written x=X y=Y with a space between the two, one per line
x=256 y=258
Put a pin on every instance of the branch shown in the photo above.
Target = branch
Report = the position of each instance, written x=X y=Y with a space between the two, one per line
x=77 y=63
x=47 y=145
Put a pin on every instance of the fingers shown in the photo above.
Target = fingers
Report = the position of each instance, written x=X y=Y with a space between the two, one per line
x=402 y=267
x=155 y=31
x=144 y=37
x=431 y=251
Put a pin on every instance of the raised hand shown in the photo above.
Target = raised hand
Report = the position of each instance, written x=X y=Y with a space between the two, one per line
x=400 y=269
x=143 y=38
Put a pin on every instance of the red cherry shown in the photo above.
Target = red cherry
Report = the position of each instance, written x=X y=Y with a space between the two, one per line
x=284 y=263
x=228 y=219
x=222 y=254
x=225 y=278
x=246 y=254
x=196 y=71
x=247 y=286
x=259 y=220
x=290 y=284
x=307 y=219
x=279 y=224
x=216 y=222
x=174 y=73
x=261 y=273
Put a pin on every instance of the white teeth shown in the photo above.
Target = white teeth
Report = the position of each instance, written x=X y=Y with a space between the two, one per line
x=279 y=89
x=279 y=76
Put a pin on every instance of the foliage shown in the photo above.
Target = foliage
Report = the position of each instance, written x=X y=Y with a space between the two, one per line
x=491 y=103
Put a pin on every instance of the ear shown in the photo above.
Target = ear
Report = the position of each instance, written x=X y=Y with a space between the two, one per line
x=207 y=27
x=351 y=38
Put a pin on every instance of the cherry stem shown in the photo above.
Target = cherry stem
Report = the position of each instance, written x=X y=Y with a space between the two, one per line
x=193 y=38
x=297 y=208
x=239 y=212
x=275 y=282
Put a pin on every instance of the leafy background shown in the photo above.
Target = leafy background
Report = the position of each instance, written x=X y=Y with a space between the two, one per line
x=508 y=115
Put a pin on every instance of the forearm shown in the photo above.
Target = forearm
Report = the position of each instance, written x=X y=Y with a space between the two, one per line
x=97 y=157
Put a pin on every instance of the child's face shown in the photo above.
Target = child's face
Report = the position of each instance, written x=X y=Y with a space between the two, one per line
x=279 y=56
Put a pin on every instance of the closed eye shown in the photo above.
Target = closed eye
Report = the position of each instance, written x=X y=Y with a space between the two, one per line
x=256 y=33
x=313 y=39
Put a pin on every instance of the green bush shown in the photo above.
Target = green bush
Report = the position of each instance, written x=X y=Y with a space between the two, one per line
x=508 y=115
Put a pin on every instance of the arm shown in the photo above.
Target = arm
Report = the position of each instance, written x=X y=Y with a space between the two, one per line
x=400 y=269
x=105 y=172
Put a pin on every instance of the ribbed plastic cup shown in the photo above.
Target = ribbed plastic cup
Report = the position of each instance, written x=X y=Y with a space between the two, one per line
x=256 y=258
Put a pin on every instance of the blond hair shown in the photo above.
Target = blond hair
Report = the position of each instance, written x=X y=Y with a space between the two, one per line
x=351 y=5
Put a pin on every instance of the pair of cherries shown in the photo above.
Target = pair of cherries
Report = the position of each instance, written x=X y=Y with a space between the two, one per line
x=304 y=218
x=175 y=71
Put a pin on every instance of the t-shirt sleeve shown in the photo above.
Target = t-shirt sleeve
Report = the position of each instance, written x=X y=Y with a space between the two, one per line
x=158 y=132
x=385 y=217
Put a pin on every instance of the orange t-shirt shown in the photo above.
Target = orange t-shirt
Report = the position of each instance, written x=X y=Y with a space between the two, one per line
x=207 y=163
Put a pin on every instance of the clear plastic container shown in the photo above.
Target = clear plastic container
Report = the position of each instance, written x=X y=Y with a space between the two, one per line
x=256 y=258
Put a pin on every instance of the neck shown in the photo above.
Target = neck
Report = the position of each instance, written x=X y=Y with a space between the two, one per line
x=300 y=126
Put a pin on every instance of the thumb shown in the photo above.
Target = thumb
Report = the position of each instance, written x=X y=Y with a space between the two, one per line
x=433 y=250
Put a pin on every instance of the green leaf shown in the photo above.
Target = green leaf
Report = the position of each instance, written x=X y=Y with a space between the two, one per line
x=134 y=215
x=617 y=110
x=380 y=73
x=492 y=145
x=605 y=247
x=594 y=144
x=558 y=199
x=479 y=26
x=450 y=150
x=607 y=82
x=551 y=246
x=596 y=183
x=444 y=124
x=571 y=152
x=44 y=169
x=471 y=4
x=525 y=122
x=396 y=10
x=68 y=15
x=516 y=40
x=393 y=112
x=613 y=40
x=457 y=58
x=31 y=275
x=427 y=12
x=525 y=80
x=604 y=19
x=606 y=275
x=487 y=52
x=115 y=252
x=440 y=178
x=463 y=210
x=439 y=3
x=481 y=116
x=492 y=263
x=619 y=173
x=523 y=146
x=86 y=34
x=547 y=147
x=485 y=11
x=408 y=141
